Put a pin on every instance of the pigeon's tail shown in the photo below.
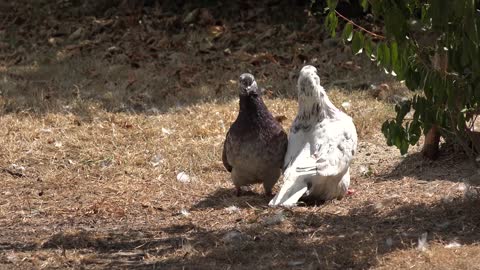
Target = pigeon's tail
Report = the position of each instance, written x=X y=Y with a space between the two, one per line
x=294 y=187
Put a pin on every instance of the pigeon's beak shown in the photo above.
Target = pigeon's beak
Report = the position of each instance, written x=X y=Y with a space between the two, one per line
x=251 y=90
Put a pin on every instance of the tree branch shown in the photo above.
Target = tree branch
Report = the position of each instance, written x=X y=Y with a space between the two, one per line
x=359 y=27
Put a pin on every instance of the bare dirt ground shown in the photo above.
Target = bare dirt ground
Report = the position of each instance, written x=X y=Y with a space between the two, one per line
x=111 y=139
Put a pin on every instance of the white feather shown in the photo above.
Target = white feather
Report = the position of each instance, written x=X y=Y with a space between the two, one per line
x=321 y=146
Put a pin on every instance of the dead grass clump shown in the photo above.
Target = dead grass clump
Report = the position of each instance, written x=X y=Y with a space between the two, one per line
x=368 y=113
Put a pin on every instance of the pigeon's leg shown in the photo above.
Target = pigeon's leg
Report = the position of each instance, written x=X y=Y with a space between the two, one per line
x=267 y=186
x=238 y=191
x=238 y=181
x=268 y=191
x=269 y=181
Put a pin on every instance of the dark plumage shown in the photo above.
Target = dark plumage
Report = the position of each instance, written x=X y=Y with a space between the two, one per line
x=256 y=143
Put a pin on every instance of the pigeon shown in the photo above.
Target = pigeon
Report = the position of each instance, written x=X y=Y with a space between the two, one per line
x=255 y=144
x=321 y=146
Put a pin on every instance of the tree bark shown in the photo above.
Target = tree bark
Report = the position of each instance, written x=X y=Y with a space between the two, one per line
x=431 y=144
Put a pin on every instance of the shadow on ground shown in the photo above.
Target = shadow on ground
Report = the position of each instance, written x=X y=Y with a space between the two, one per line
x=450 y=165
x=224 y=198
x=300 y=239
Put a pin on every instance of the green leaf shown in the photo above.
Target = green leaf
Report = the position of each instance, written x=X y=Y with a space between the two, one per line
x=357 y=43
x=348 y=32
x=364 y=4
x=380 y=55
x=383 y=55
x=387 y=56
x=403 y=147
x=414 y=132
x=450 y=26
x=387 y=132
x=396 y=23
x=425 y=16
x=331 y=23
x=402 y=109
x=368 y=48
x=394 y=54
x=332 y=4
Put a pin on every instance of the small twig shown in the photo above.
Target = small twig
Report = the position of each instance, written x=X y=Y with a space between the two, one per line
x=359 y=27
x=404 y=119
x=253 y=207
x=318 y=257
x=12 y=173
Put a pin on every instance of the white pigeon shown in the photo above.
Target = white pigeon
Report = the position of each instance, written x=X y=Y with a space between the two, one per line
x=321 y=146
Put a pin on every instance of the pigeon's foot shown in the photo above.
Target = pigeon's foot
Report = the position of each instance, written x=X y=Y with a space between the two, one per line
x=238 y=191
x=350 y=191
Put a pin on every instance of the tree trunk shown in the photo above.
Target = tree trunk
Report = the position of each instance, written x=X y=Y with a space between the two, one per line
x=432 y=139
x=431 y=144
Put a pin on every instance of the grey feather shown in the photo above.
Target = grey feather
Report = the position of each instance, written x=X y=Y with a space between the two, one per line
x=255 y=144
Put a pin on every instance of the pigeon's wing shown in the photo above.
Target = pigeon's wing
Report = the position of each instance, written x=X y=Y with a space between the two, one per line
x=294 y=186
x=325 y=152
x=296 y=143
x=224 y=154
x=334 y=150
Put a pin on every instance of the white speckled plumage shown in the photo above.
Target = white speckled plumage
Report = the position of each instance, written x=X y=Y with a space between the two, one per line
x=321 y=146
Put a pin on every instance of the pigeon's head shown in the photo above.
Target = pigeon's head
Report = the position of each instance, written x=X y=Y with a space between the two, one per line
x=248 y=85
x=313 y=102
x=308 y=84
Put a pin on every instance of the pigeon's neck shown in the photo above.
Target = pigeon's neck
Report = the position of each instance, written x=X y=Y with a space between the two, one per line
x=316 y=108
x=253 y=106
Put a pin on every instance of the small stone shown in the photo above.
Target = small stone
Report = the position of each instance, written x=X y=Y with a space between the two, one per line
x=113 y=49
x=183 y=177
x=389 y=242
x=184 y=212
x=296 y=263
x=276 y=219
x=346 y=105
x=77 y=34
x=232 y=209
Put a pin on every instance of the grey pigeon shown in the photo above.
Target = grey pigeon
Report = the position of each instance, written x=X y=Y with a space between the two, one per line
x=322 y=143
x=256 y=143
